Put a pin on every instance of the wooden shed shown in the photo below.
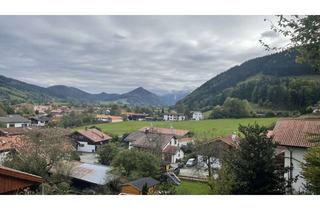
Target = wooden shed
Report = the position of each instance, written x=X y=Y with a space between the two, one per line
x=12 y=181
x=136 y=187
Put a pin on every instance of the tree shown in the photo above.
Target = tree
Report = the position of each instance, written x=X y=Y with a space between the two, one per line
x=232 y=107
x=217 y=112
x=74 y=120
x=39 y=150
x=311 y=168
x=223 y=183
x=210 y=152
x=107 y=152
x=2 y=112
x=253 y=164
x=133 y=163
x=304 y=35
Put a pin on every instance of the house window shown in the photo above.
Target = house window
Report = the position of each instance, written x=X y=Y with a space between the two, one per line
x=81 y=145
x=11 y=125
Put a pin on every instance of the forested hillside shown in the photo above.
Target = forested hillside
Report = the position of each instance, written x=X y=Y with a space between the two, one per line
x=273 y=84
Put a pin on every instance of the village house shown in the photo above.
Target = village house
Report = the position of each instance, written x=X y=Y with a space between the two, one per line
x=16 y=121
x=173 y=117
x=56 y=112
x=162 y=140
x=136 y=116
x=136 y=187
x=10 y=140
x=293 y=138
x=7 y=144
x=196 y=115
x=108 y=118
x=41 y=109
x=14 y=181
x=39 y=121
x=88 y=140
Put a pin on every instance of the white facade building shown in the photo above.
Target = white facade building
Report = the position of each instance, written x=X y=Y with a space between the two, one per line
x=88 y=140
x=293 y=139
x=297 y=159
x=197 y=116
x=84 y=146
x=174 y=117
x=15 y=121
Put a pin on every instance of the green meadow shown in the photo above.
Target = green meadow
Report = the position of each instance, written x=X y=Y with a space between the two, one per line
x=201 y=129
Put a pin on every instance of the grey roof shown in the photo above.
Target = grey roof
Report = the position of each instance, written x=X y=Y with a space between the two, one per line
x=41 y=118
x=149 y=140
x=14 y=119
x=93 y=173
x=142 y=181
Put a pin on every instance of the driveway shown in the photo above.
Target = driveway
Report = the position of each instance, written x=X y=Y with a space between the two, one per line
x=194 y=172
x=89 y=158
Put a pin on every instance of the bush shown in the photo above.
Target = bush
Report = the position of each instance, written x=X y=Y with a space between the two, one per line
x=135 y=164
x=233 y=108
x=270 y=114
x=107 y=152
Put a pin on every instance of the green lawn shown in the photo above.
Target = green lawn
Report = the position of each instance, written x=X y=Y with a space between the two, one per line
x=201 y=129
x=192 y=188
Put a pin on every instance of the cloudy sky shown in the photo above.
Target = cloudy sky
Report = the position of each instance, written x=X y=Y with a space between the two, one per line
x=116 y=54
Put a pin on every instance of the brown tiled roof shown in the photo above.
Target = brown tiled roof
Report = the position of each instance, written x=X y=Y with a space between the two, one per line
x=168 y=131
x=185 y=140
x=94 y=135
x=295 y=132
x=170 y=149
x=14 y=131
x=228 y=140
x=8 y=143
x=150 y=140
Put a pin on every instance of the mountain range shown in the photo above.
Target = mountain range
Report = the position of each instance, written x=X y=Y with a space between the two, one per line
x=18 y=92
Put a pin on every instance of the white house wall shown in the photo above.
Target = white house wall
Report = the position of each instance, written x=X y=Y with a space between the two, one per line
x=297 y=160
x=18 y=125
x=86 y=147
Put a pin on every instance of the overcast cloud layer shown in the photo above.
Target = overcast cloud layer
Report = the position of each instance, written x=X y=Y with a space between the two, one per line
x=116 y=54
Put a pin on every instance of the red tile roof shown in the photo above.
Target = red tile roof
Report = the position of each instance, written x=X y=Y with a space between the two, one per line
x=9 y=143
x=186 y=140
x=295 y=132
x=94 y=135
x=170 y=149
x=14 y=131
x=169 y=131
x=228 y=140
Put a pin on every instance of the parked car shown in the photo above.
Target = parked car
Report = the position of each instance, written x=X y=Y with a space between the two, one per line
x=191 y=162
x=215 y=164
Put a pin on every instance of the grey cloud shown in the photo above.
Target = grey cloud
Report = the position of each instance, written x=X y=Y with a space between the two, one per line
x=119 y=53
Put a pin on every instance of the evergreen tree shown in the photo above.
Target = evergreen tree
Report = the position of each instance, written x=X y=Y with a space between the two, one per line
x=253 y=165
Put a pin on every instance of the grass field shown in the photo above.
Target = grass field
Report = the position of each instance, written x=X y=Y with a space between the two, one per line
x=201 y=129
x=192 y=188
